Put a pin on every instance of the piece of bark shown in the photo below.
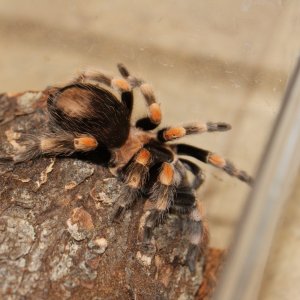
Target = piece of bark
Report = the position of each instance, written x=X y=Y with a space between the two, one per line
x=56 y=238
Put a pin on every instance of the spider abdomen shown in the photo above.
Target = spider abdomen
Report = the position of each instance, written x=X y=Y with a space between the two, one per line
x=88 y=109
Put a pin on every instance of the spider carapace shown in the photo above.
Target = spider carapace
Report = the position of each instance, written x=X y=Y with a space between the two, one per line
x=86 y=115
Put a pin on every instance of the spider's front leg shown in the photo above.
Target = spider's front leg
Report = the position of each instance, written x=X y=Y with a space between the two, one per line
x=161 y=196
x=134 y=177
x=173 y=193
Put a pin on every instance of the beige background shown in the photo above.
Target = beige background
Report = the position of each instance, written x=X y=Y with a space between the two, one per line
x=208 y=60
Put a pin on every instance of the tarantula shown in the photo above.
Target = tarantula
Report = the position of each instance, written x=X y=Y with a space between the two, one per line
x=86 y=116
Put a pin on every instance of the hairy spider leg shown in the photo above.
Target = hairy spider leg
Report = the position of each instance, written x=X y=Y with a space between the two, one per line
x=124 y=86
x=212 y=159
x=189 y=207
x=170 y=191
x=119 y=84
x=58 y=143
x=135 y=176
x=171 y=133
x=154 y=112
x=198 y=235
x=199 y=176
x=138 y=173
x=161 y=196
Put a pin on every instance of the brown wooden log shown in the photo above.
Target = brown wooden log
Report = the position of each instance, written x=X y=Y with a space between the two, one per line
x=56 y=238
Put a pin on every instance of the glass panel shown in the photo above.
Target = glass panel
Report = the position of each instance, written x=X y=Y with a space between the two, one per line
x=283 y=269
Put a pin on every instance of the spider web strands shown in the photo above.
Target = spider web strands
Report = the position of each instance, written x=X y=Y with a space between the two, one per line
x=278 y=168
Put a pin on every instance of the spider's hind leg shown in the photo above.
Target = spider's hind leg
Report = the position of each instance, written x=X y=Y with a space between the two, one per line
x=53 y=144
x=118 y=84
x=125 y=86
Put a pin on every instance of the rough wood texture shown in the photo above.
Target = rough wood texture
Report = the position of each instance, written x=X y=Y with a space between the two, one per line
x=213 y=264
x=56 y=240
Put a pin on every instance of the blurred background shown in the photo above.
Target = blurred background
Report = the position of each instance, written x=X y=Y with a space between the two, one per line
x=207 y=60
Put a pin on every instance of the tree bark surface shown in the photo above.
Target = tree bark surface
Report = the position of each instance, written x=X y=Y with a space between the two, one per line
x=56 y=237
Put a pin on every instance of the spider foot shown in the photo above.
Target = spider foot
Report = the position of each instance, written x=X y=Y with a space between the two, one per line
x=126 y=200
